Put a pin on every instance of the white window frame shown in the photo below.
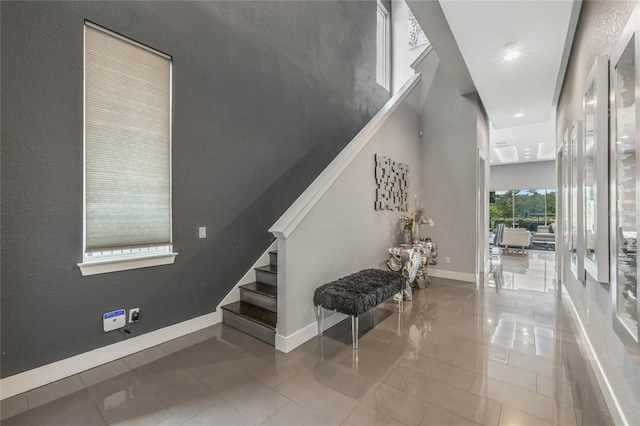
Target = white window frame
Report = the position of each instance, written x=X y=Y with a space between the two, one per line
x=126 y=258
x=385 y=79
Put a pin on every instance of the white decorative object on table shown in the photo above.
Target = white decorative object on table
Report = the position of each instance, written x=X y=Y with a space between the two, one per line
x=413 y=258
x=408 y=259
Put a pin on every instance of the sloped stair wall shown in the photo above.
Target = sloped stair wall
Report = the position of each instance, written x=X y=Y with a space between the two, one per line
x=333 y=230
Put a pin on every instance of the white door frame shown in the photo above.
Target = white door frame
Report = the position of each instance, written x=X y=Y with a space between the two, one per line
x=482 y=213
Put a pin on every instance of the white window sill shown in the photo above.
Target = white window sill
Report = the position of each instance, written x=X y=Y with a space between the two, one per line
x=114 y=265
x=384 y=86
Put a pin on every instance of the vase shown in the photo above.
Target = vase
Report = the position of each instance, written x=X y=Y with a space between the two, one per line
x=415 y=232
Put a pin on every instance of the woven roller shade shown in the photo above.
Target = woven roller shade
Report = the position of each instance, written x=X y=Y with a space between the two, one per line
x=127 y=143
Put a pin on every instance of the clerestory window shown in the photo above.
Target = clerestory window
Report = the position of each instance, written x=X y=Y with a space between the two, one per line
x=383 y=46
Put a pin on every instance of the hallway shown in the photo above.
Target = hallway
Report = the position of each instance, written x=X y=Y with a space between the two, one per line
x=505 y=355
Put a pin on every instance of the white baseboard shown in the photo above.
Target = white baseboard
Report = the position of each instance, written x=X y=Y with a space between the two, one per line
x=249 y=277
x=31 y=379
x=607 y=390
x=452 y=275
x=288 y=343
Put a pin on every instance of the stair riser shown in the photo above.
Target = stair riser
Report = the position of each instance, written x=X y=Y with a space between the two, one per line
x=266 y=277
x=273 y=259
x=260 y=300
x=249 y=327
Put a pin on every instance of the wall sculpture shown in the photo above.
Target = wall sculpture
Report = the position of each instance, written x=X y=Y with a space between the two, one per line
x=392 y=184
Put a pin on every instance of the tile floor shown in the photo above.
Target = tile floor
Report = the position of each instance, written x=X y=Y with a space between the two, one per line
x=506 y=354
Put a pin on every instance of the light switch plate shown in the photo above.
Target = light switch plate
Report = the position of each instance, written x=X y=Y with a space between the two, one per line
x=202 y=232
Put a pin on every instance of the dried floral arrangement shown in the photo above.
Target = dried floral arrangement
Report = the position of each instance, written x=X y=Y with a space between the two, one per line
x=414 y=219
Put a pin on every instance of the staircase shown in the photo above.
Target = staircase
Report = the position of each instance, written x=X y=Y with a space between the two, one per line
x=256 y=312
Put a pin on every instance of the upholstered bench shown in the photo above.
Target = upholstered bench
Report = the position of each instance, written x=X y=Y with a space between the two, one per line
x=356 y=294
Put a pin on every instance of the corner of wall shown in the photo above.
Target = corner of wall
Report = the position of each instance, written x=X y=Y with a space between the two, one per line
x=248 y=277
x=333 y=230
x=449 y=122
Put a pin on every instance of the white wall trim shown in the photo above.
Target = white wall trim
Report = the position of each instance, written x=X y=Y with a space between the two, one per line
x=290 y=220
x=288 y=343
x=31 y=379
x=125 y=264
x=421 y=57
x=249 y=277
x=452 y=275
x=607 y=390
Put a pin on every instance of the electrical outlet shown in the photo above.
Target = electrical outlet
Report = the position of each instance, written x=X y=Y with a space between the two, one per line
x=447 y=259
x=134 y=314
x=202 y=232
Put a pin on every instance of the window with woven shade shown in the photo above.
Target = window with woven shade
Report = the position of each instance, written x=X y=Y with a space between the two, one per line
x=127 y=154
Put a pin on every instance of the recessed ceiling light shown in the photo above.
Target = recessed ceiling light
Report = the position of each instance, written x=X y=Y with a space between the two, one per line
x=591 y=102
x=518 y=115
x=507 y=154
x=511 y=55
x=511 y=52
x=527 y=149
x=546 y=151
x=625 y=137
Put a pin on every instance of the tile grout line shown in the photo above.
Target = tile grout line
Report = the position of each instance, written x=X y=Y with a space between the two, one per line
x=467 y=369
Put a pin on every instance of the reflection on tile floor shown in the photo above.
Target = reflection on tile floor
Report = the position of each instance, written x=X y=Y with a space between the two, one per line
x=504 y=355
x=535 y=270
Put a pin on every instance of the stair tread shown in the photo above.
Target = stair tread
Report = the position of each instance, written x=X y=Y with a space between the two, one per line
x=273 y=252
x=253 y=313
x=273 y=269
x=262 y=288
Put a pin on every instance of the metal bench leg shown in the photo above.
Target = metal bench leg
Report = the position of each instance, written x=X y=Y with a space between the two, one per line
x=354 y=331
x=320 y=319
x=354 y=360
x=401 y=302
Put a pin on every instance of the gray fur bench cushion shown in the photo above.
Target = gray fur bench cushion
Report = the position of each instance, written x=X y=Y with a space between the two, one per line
x=357 y=293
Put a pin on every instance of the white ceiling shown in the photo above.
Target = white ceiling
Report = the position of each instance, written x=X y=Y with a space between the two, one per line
x=484 y=31
x=532 y=142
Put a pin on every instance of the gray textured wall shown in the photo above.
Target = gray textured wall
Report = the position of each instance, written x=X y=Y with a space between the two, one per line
x=599 y=27
x=348 y=216
x=534 y=175
x=450 y=141
x=265 y=95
